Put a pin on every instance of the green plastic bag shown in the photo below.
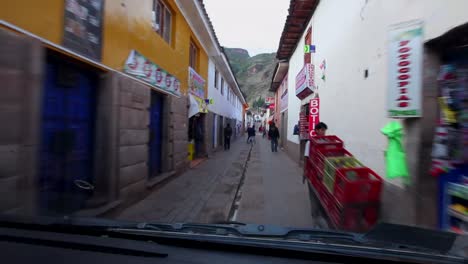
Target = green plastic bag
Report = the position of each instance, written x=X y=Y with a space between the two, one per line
x=395 y=156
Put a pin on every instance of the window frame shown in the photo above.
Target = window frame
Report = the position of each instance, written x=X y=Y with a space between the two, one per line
x=164 y=11
x=193 y=55
x=222 y=86
x=216 y=79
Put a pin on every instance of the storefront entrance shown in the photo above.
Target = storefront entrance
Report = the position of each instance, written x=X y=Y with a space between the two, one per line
x=197 y=134
x=66 y=151
x=156 y=131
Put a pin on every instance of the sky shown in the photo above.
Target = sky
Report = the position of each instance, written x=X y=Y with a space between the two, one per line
x=254 y=25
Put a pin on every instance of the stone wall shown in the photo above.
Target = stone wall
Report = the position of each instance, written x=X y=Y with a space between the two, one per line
x=179 y=132
x=133 y=138
x=209 y=122
x=21 y=71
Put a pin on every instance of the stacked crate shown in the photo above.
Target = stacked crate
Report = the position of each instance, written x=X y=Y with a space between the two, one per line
x=348 y=191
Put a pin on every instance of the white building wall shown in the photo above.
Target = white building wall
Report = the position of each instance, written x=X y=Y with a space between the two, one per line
x=222 y=105
x=352 y=37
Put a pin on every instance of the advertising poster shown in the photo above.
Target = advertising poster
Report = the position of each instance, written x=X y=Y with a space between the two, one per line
x=196 y=84
x=405 y=52
x=83 y=27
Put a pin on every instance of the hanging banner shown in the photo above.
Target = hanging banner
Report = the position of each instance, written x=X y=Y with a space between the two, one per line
x=305 y=84
x=142 y=68
x=83 y=27
x=314 y=115
x=197 y=105
x=405 y=70
x=196 y=83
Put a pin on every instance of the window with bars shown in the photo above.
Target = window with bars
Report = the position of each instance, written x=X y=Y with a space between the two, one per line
x=162 y=20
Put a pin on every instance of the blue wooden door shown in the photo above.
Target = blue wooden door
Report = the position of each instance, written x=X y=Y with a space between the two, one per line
x=67 y=138
x=155 y=145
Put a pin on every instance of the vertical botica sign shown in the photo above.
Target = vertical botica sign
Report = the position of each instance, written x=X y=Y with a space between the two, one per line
x=314 y=115
x=83 y=27
x=405 y=70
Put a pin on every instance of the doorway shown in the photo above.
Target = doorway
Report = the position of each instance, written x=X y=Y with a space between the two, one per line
x=155 y=132
x=67 y=137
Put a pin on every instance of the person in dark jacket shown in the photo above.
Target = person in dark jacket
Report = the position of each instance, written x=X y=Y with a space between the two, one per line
x=227 y=136
x=274 y=135
x=251 y=134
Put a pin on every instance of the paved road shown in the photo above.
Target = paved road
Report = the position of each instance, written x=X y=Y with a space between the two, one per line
x=203 y=194
x=273 y=192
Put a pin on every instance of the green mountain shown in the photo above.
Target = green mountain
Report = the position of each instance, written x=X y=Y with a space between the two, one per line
x=253 y=73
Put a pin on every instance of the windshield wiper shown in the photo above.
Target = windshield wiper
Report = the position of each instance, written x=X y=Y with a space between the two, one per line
x=246 y=231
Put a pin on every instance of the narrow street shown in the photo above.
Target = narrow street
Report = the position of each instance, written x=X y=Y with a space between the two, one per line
x=273 y=192
x=267 y=187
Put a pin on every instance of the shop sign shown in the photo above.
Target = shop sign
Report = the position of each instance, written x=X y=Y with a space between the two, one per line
x=405 y=70
x=284 y=95
x=196 y=84
x=314 y=115
x=305 y=84
x=142 y=68
x=202 y=105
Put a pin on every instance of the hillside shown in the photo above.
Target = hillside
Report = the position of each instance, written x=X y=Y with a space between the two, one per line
x=253 y=73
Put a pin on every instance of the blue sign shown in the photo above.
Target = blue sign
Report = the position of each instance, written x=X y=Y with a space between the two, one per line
x=309 y=49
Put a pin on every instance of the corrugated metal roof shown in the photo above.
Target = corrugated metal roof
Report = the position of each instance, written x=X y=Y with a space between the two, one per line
x=300 y=12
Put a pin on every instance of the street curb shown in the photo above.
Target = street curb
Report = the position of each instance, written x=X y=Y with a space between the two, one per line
x=235 y=202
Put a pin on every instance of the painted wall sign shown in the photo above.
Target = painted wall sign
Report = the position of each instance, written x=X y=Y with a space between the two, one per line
x=305 y=83
x=314 y=115
x=83 y=27
x=196 y=84
x=142 y=68
x=405 y=70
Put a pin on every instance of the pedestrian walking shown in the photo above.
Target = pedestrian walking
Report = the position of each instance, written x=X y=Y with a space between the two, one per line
x=251 y=134
x=274 y=135
x=227 y=136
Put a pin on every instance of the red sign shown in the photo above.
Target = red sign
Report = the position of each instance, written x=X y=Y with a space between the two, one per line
x=270 y=100
x=271 y=106
x=305 y=84
x=314 y=115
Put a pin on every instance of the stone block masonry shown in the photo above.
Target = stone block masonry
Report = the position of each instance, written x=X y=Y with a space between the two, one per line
x=21 y=60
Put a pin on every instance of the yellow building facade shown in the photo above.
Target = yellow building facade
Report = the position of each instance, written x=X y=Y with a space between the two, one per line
x=127 y=25
x=65 y=68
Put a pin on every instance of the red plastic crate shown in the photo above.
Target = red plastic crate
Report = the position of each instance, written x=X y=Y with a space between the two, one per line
x=318 y=160
x=330 y=142
x=365 y=187
x=356 y=218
